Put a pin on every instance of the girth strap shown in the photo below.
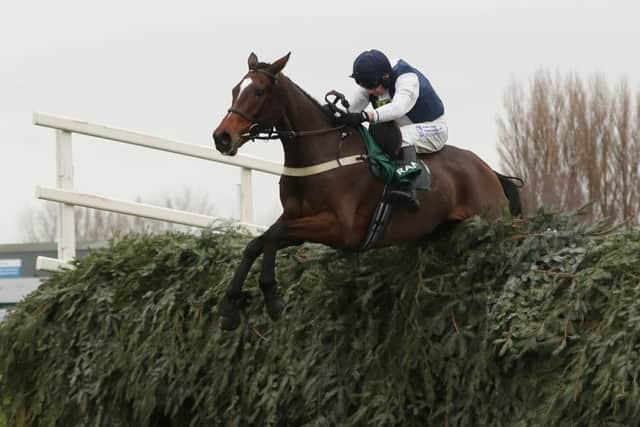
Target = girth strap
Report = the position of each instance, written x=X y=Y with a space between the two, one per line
x=379 y=221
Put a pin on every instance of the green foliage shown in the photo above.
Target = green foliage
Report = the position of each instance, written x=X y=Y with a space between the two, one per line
x=4 y=402
x=523 y=322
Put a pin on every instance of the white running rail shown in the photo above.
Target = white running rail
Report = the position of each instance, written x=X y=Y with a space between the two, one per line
x=67 y=198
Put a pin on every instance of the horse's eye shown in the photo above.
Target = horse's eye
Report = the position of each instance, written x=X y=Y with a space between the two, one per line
x=259 y=92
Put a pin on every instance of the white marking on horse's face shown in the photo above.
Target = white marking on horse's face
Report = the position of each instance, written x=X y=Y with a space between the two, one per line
x=245 y=84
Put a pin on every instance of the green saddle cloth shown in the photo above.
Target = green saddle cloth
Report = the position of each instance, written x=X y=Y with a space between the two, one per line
x=388 y=170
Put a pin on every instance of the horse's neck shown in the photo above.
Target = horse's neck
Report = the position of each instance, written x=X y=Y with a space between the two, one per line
x=303 y=114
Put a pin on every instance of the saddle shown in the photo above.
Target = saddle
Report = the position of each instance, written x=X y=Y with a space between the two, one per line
x=383 y=141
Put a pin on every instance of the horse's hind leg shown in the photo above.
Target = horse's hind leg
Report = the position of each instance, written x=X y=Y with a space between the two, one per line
x=229 y=310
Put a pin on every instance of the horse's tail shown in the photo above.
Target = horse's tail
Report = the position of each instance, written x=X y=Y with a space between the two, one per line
x=510 y=189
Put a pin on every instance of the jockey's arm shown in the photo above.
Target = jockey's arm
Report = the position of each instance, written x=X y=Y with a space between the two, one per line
x=405 y=97
x=358 y=101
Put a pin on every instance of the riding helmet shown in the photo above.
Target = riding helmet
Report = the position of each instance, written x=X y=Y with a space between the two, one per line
x=370 y=67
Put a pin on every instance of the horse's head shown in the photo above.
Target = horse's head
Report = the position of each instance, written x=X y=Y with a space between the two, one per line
x=257 y=104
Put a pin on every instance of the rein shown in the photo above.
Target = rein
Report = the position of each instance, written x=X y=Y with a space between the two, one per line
x=275 y=134
x=258 y=130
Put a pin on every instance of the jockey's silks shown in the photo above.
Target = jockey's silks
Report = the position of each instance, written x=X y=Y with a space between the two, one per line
x=428 y=106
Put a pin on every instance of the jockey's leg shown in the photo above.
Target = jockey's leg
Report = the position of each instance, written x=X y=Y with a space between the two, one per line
x=407 y=193
x=427 y=137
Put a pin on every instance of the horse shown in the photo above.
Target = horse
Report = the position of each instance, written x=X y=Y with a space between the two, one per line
x=328 y=196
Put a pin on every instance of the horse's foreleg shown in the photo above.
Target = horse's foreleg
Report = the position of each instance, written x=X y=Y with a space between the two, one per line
x=229 y=310
x=320 y=228
x=267 y=281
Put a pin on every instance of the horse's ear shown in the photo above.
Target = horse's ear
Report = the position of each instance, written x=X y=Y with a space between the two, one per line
x=279 y=64
x=252 y=61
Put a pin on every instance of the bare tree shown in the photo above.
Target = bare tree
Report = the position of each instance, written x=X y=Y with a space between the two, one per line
x=574 y=134
x=625 y=154
x=573 y=144
x=518 y=154
x=635 y=155
x=93 y=225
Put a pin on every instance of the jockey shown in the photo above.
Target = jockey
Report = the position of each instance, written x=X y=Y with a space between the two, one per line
x=402 y=94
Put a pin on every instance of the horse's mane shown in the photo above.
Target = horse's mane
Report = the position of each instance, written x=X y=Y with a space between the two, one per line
x=262 y=65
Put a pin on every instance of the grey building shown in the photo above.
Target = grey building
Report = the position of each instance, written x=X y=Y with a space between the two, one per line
x=18 y=274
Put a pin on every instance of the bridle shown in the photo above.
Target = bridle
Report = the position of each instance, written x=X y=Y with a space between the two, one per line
x=259 y=130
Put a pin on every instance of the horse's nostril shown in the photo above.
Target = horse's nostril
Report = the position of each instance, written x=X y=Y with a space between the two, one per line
x=222 y=140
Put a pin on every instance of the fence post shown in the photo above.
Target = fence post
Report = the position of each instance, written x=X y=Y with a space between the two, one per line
x=246 y=196
x=66 y=221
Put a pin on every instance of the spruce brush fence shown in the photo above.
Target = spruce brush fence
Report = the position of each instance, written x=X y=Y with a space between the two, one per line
x=515 y=323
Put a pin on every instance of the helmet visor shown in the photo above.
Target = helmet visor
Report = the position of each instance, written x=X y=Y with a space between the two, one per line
x=368 y=84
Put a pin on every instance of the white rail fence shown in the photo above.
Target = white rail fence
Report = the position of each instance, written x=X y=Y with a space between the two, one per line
x=67 y=198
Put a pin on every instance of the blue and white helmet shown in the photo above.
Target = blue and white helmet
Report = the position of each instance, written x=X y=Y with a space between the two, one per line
x=370 y=67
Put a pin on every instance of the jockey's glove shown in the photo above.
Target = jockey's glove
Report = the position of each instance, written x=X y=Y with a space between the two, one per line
x=354 y=119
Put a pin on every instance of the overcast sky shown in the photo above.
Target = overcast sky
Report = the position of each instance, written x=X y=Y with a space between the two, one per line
x=167 y=69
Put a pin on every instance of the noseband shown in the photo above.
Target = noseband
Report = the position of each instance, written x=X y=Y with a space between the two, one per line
x=258 y=130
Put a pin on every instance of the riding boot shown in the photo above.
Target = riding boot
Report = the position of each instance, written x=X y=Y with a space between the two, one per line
x=407 y=193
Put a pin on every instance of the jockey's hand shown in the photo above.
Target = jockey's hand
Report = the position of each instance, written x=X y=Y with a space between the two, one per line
x=354 y=119
x=330 y=110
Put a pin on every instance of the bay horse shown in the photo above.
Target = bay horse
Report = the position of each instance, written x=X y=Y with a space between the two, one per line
x=333 y=202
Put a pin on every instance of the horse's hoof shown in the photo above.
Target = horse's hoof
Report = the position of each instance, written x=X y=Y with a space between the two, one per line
x=229 y=315
x=230 y=321
x=275 y=307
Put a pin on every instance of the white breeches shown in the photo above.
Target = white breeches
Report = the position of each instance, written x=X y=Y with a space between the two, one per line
x=426 y=136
